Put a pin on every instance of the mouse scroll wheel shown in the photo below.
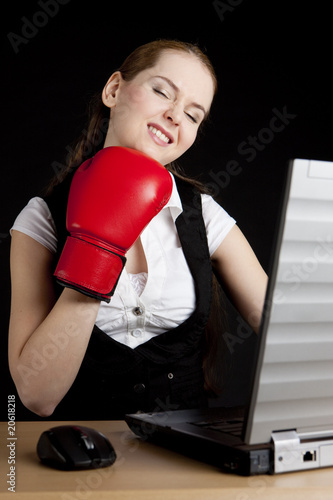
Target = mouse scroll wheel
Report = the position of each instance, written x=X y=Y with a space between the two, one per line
x=87 y=441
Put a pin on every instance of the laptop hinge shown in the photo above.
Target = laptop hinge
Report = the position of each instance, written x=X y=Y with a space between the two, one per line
x=290 y=454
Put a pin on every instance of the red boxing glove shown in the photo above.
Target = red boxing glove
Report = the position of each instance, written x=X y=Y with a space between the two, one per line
x=112 y=198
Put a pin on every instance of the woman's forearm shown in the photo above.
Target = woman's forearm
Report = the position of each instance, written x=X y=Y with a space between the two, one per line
x=49 y=361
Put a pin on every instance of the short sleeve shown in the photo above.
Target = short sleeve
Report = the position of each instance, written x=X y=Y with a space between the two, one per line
x=35 y=220
x=217 y=221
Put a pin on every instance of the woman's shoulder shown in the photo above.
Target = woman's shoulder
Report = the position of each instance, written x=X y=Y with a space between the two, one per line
x=35 y=210
x=36 y=221
x=218 y=221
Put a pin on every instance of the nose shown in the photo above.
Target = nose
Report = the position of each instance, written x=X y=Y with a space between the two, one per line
x=173 y=114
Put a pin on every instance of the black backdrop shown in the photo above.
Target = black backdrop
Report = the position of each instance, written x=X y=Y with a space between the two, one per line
x=274 y=102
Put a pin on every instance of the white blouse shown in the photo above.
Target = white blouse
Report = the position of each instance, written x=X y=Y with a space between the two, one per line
x=147 y=304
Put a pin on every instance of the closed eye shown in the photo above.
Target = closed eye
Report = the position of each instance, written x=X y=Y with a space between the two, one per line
x=160 y=92
x=194 y=120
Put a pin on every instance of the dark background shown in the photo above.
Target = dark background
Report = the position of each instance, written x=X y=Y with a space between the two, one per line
x=270 y=56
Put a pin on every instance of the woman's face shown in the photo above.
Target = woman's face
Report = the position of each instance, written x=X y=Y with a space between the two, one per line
x=160 y=110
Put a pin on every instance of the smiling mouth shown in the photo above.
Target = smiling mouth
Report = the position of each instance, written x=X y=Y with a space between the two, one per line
x=159 y=134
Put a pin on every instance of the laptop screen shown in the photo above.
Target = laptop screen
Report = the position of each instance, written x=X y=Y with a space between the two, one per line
x=293 y=386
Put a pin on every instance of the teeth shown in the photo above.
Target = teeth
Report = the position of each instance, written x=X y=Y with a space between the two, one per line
x=159 y=134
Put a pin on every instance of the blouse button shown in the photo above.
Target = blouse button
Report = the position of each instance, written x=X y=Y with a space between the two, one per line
x=170 y=376
x=138 y=311
x=137 y=333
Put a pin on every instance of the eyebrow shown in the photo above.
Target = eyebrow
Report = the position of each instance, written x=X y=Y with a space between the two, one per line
x=174 y=86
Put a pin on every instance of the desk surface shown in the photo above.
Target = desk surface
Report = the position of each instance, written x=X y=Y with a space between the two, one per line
x=143 y=471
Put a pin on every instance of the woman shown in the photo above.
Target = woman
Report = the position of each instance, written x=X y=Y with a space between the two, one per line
x=73 y=356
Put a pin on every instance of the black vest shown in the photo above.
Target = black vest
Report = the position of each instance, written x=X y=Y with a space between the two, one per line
x=165 y=372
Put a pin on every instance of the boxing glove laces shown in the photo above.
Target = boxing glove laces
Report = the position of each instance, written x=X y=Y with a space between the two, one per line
x=112 y=198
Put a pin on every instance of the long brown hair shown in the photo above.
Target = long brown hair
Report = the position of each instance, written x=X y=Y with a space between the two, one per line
x=92 y=140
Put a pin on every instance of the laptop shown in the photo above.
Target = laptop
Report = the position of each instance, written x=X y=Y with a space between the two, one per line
x=288 y=423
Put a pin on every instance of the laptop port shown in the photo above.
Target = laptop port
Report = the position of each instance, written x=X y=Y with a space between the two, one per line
x=309 y=456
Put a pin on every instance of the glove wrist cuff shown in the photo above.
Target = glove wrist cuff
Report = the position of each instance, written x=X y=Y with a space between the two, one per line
x=89 y=268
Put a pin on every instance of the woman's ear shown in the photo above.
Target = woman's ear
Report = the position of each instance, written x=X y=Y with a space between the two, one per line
x=110 y=91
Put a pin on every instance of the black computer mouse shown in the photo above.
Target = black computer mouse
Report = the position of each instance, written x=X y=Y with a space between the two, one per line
x=73 y=447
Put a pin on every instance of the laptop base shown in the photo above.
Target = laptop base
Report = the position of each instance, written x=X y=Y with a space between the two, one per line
x=179 y=431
